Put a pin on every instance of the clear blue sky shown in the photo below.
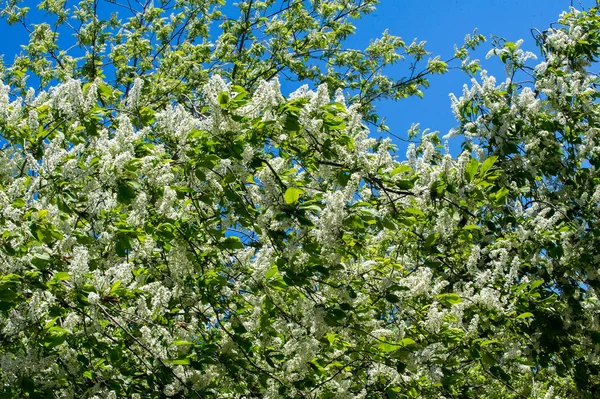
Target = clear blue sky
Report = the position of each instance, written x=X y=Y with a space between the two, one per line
x=442 y=23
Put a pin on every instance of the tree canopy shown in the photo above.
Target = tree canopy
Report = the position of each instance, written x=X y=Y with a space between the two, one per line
x=171 y=225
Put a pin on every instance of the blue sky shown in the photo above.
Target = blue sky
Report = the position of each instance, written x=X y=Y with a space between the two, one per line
x=442 y=23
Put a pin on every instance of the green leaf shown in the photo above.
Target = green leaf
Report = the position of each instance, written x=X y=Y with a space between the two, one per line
x=61 y=276
x=105 y=91
x=510 y=46
x=8 y=292
x=238 y=89
x=488 y=359
x=331 y=337
x=223 y=99
x=115 y=286
x=437 y=189
x=124 y=244
x=184 y=361
x=336 y=314
x=405 y=184
x=209 y=161
x=147 y=116
x=407 y=342
x=499 y=372
x=525 y=315
x=354 y=222
x=401 y=169
x=414 y=211
x=430 y=240
x=500 y=196
x=51 y=323
x=232 y=243
x=390 y=347
x=488 y=342
x=271 y=272
x=278 y=283
x=536 y=284
x=387 y=347
x=451 y=298
x=487 y=164
x=392 y=298
x=126 y=192
x=57 y=335
x=40 y=260
x=292 y=194
x=471 y=170
x=292 y=123
x=19 y=203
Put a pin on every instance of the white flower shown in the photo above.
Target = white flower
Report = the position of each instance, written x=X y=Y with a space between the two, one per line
x=78 y=267
x=93 y=298
x=133 y=97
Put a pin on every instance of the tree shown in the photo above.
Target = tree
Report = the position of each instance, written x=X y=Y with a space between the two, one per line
x=172 y=225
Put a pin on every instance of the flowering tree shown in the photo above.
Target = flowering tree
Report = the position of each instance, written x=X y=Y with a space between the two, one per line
x=172 y=225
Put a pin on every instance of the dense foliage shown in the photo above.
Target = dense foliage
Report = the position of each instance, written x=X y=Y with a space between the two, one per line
x=172 y=225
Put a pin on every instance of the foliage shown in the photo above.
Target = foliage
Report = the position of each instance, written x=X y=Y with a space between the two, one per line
x=172 y=225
